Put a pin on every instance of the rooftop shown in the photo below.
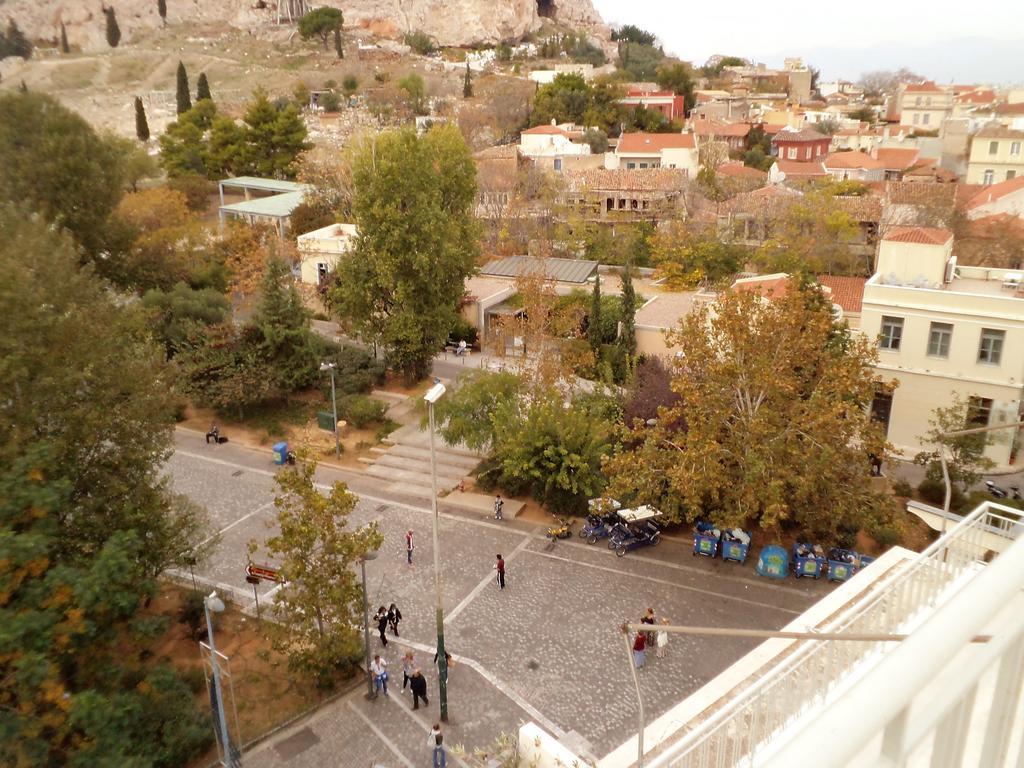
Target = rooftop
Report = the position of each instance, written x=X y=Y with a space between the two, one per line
x=897 y=159
x=853 y=160
x=997 y=131
x=995 y=192
x=924 y=87
x=500 y=152
x=545 y=130
x=798 y=169
x=919 y=235
x=562 y=270
x=654 y=142
x=847 y=292
x=737 y=169
x=665 y=310
x=803 y=135
x=770 y=286
x=276 y=206
x=720 y=128
x=267 y=185
x=624 y=180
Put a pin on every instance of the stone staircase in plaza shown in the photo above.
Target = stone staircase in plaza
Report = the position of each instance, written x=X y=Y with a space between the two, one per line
x=404 y=464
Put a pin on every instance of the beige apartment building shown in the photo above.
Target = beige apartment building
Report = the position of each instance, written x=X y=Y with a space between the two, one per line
x=321 y=250
x=944 y=330
x=923 y=106
x=997 y=154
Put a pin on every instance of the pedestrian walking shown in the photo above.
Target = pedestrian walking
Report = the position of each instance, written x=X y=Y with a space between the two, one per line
x=639 y=650
x=662 y=640
x=448 y=664
x=408 y=665
x=500 y=568
x=382 y=624
x=379 y=670
x=408 y=547
x=418 y=686
x=498 y=506
x=436 y=742
x=394 y=617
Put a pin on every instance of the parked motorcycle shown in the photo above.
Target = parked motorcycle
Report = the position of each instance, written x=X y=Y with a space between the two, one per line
x=1002 y=493
x=561 y=531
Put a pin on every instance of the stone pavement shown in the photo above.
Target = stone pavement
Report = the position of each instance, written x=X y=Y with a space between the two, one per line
x=545 y=649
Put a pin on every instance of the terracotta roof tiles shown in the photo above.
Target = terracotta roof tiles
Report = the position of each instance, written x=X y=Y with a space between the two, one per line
x=919 y=235
x=847 y=292
x=801 y=136
x=650 y=180
x=852 y=160
x=897 y=158
x=995 y=192
x=654 y=142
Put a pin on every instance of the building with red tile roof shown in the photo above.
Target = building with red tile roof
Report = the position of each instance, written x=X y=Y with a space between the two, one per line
x=737 y=170
x=640 y=151
x=773 y=286
x=805 y=145
x=847 y=292
x=1006 y=197
x=855 y=166
x=918 y=235
x=668 y=103
x=795 y=170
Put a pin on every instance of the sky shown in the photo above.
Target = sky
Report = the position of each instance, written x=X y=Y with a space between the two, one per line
x=943 y=35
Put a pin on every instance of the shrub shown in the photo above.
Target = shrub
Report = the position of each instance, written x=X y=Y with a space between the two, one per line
x=329 y=101
x=356 y=373
x=421 y=43
x=196 y=189
x=192 y=614
x=934 y=492
x=350 y=84
x=902 y=488
x=194 y=678
x=360 y=410
x=148 y=628
x=464 y=331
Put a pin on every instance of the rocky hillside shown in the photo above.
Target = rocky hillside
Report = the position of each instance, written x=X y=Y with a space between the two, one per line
x=450 y=22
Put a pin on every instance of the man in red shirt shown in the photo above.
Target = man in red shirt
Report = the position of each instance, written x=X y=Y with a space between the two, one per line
x=500 y=567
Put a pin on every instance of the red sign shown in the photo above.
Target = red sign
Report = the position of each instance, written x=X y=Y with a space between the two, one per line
x=264 y=572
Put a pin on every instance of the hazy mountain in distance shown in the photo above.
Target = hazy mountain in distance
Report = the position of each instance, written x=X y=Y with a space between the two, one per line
x=963 y=60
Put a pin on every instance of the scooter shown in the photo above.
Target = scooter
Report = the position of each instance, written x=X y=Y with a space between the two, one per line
x=1002 y=493
x=561 y=531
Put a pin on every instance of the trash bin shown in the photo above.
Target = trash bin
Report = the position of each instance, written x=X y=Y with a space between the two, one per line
x=280 y=452
x=325 y=420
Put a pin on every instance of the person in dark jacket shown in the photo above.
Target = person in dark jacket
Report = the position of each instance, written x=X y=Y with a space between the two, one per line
x=418 y=686
x=394 y=616
x=382 y=624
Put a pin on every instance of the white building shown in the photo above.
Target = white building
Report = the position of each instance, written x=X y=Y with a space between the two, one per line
x=322 y=249
x=640 y=151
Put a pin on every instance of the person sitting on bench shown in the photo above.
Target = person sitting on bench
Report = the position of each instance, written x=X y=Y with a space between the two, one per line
x=461 y=349
x=214 y=433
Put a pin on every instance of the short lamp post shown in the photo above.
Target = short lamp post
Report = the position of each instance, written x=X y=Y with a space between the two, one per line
x=432 y=396
x=334 y=407
x=370 y=555
x=212 y=602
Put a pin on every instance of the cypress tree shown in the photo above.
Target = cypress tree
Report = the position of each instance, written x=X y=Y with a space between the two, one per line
x=337 y=43
x=184 y=99
x=113 y=30
x=17 y=43
x=161 y=7
x=467 y=84
x=141 y=124
x=627 y=334
x=594 y=321
x=203 y=88
x=64 y=47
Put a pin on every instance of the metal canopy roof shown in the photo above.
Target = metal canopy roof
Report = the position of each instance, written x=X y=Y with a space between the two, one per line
x=562 y=270
x=278 y=206
x=266 y=185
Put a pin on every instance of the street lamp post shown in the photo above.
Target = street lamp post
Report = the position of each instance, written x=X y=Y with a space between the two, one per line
x=334 y=407
x=213 y=603
x=432 y=396
x=371 y=555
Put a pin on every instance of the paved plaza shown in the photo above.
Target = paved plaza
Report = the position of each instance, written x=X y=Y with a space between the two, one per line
x=545 y=649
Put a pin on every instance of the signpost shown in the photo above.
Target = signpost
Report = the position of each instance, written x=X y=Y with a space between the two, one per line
x=254 y=574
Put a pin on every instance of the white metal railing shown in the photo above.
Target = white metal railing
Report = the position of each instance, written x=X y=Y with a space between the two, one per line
x=815 y=669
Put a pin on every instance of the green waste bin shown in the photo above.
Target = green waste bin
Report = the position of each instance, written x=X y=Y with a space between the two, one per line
x=325 y=420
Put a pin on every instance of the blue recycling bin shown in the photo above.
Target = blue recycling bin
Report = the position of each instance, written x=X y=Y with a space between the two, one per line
x=773 y=562
x=280 y=453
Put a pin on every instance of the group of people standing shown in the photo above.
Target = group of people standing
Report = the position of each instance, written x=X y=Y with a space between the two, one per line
x=387 y=617
x=653 y=639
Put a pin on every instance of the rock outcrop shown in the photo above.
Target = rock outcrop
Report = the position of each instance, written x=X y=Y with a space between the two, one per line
x=450 y=22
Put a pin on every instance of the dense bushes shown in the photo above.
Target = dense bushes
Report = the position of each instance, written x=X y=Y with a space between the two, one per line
x=360 y=410
x=356 y=371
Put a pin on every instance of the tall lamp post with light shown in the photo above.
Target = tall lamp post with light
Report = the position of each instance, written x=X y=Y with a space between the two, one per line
x=370 y=555
x=212 y=602
x=432 y=396
x=334 y=407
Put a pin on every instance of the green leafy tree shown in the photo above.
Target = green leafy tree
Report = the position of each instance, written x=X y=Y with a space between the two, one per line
x=14 y=42
x=64 y=47
x=640 y=62
x=184 y=98
x=597 y=139
x=564 y=100
x=349 y=84
x=421 y=43
x=274 y=138
x=633 y=34
x=627 y=330
x=177 y=312
x=161 y=8
x=815 y=235
x=468 y=414
x=864 y=114
x=113 y=29
x=141 y=124
x=320 y=605
x=224 y=153
x=110 y=386
x=676 y=77
x=965 y=454
x=417 y=243
x=283 y=322
x=771 y=428
x=203 y=88
x=415 y=91
x=594 y=329
x=54 y=163
x=467 y=84
x=322 y=23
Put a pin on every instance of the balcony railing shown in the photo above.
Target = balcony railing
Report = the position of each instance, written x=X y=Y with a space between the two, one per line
x=816 y=671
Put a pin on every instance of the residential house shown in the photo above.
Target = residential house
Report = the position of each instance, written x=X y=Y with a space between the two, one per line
x=497 y=174
x=1006 y=197
x=549 y=146
x=854 y=166
x=624 y=195
x=973 y=101
x=896 y=160
x=719 y=105
x=844 y=87
x=750 y=217
x=666 y=102
x=321 y=250
x=662 y=313
x=796 y=170
x=804 y=145
x=942 y=331
x=655 y=150
x=735 y=169
x=997 y=154
x=734 y=135
x=923 y=106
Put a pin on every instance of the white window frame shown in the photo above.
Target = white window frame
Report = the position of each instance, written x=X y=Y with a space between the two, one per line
x=988 y=176
x=940 y=339
x=890 y=334
x=990 y=346
x=791 y=153
x=1014 y=147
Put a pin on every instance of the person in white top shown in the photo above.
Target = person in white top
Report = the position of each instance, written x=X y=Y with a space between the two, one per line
x=662 y=639
x=379 y=670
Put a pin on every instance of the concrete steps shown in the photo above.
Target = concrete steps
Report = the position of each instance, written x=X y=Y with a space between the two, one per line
x=442 y=456
x=445 y=472
x=409 y=477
